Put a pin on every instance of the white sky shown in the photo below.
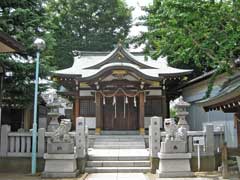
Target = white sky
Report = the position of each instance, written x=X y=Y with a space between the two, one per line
x=137 y=12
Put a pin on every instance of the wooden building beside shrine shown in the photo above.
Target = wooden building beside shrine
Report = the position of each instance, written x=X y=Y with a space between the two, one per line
x=222 y=108
x=119 y=90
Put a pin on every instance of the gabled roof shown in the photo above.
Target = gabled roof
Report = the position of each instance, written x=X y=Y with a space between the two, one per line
x=89 y=65
x=227 y=98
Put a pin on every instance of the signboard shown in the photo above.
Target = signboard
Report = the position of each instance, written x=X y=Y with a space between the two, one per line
x=198 y=140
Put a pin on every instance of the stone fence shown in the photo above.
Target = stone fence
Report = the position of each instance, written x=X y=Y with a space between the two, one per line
x=19 y=144
x=212 y=141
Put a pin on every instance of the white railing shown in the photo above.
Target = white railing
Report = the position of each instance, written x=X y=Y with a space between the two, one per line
x=20 y=144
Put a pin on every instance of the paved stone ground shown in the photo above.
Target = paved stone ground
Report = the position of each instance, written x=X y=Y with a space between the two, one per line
x=118 y=176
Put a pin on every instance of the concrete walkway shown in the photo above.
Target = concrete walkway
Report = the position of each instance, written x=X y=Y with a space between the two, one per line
x=117 y=176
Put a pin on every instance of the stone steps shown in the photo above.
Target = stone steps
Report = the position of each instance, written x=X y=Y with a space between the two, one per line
x=118 y=158
x=121 y=146
x=118 y=163
x=119 y=142
x=117 y=169
x=118 y=153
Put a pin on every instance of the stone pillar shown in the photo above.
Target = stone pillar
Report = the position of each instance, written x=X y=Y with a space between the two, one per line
x=154 y=141
x=99 y=120
x=5 y=129
x=209 y=139
x=141 y=113
x=80 y=137
x=41 y=142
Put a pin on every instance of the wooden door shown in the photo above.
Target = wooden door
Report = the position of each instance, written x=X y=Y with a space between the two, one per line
x=122 y=121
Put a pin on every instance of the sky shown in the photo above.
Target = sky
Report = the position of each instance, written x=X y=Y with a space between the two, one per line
x=136 y=13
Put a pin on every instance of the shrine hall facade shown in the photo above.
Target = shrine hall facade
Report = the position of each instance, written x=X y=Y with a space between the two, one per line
x=119 y=90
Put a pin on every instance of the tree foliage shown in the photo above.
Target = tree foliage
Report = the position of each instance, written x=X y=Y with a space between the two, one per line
x=200 y=34
x=85 y=25
x=23 y=20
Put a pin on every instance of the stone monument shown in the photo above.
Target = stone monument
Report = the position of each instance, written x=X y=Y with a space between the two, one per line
x=174 y=160
x=61 y=158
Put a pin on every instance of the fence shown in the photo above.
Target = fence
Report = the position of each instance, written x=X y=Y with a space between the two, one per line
x=19 y=144
x=213 y=139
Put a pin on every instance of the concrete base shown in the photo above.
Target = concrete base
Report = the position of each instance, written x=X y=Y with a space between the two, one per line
x=60 y=174
x=60 y=165
x=174 y=174
x=174 y=165
x=154 y=164
x=208 y=163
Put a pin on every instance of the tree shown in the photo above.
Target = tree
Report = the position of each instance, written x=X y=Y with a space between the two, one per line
x=83 y=25
x=25 y=21
x=201 y=34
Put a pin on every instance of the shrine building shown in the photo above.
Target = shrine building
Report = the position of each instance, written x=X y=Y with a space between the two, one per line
x=119 y=90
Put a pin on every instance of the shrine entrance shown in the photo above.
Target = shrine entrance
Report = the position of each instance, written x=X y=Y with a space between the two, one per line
x=122 y=115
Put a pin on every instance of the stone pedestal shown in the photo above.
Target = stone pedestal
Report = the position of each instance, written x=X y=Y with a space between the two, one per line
x=60 y=166
x=173 y=165
x=173 y=147
x=173 y=160
x=60 y=148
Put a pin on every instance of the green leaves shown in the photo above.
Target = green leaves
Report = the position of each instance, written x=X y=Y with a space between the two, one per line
x=85 y=25
x=197 y=34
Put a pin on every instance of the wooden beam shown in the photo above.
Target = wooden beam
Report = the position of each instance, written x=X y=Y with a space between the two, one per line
x=99 y=119
x=141 y=113
x=76 y=104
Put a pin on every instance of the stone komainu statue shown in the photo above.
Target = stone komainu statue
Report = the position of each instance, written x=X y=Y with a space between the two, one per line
x=173 y=132
x=61 y=134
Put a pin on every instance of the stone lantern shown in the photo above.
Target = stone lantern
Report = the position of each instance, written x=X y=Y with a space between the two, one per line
x=53 y=115
x=181 y=108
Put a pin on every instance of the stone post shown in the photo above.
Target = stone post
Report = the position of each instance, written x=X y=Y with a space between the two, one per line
x=41 y=142
x=209 y=139
x=80 y=137
x=42 y=122
x=5 y=129
x=154 y=141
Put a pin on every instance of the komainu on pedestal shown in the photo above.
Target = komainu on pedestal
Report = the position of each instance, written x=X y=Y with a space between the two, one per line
x=174 y=159
x=61 y=158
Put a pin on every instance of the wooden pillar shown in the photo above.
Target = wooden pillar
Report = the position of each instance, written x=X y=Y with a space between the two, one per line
x=99 y=119
x=164 y=101
x=141 y=113
x=76 y=105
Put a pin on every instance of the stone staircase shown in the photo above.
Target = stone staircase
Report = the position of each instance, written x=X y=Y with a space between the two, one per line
x=118 y=153
x=119 y=142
